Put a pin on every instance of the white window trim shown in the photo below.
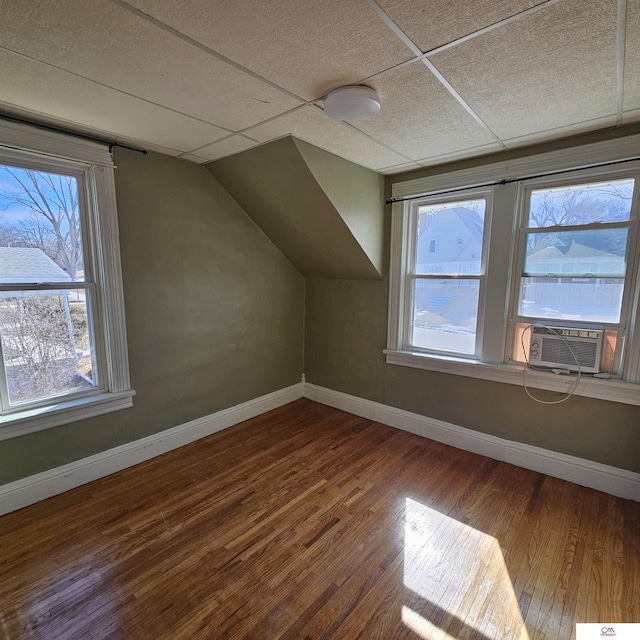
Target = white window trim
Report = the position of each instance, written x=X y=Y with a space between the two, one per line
x=22 y=141
x=501 y=260
x=408 y=259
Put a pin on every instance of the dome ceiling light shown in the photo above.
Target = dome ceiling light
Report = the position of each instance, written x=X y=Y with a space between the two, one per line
x=351 y=103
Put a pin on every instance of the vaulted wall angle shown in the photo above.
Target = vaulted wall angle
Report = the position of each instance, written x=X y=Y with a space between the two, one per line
x=324 y=213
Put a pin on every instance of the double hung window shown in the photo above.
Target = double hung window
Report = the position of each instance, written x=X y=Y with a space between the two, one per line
x=47 y=290
x=576 y=265
x=445 y=275
x=472 y=276
x=63 y=352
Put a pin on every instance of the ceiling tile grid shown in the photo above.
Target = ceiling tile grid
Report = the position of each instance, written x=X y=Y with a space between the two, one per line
x=632 y=57
x=312 y=126
x=553 y=68
x=64 y=96
x=304 y=46
x=226 y=147
x=208 y=78
x=433 y=23
x=121 y=50
x=420 y=118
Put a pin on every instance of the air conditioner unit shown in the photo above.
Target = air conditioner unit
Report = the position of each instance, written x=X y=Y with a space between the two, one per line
x=559 y=347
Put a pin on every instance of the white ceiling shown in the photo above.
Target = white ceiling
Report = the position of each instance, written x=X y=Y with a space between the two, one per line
x=204 y=79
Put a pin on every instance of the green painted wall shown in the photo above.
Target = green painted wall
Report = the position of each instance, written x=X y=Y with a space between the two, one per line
x=346 y=332
x=346 y=325
x=328 y=228
x=358 y=195
x=214 y=313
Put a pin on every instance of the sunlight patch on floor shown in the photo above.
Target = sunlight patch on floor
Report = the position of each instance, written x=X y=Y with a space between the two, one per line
x=422 y=627
x=458 y=579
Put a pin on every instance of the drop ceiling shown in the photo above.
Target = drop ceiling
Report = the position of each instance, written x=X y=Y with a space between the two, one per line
x=206 y=79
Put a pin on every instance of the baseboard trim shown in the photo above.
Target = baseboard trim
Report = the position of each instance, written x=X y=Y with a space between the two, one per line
x=618 y=482
x=32 y=489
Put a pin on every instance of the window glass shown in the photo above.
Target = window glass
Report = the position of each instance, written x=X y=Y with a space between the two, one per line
x=46 y=335
x=445 y=272
x=40 y=222
x=581 y=299
x=604 y=202
x=598 y=252
x=449 y=238
x=46 y=344
x=446 y=315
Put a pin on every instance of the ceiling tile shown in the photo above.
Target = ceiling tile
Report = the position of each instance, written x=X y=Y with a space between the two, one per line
x=305 y=46
x=399 y=168
x=47 y=90
x=419 y=117
x=117 y=48
x=225 y=147
x=632 y=57
x=193 y=158
x=311 y=125
x=552 y=69
x=432 y=23
x=629 y=117
x=469 y=152
x=562 y=132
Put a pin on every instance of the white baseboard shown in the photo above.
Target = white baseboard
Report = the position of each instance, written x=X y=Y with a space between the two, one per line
x=618 y=482
x=26 y=491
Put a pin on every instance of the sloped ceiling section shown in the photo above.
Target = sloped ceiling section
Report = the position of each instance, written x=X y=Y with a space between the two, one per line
x=324 y=213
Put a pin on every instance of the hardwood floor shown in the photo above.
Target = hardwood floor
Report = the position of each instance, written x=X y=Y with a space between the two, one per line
x=312 y=524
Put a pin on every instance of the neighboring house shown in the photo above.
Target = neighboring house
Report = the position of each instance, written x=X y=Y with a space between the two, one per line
x=573 y=276
x=449 y=241
x=559 y=255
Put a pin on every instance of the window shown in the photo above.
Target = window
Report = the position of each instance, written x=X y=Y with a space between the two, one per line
x=443 y=287
x=470 y=276
x=586 y=230
x=62 y=341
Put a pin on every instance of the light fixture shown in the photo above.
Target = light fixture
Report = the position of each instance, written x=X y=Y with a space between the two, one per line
x=351 y=103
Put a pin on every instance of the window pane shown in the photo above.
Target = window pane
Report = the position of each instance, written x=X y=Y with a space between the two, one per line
x=582 y=204
x=40 y=238
x=449 y=238
x=446 y=315
x=577 y=253
x=46 y=344
x=588 y=299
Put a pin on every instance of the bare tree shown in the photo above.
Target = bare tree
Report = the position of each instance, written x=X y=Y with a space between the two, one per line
x=38 y=346
x=54 y=223
x=40 y=332
x=608 y=203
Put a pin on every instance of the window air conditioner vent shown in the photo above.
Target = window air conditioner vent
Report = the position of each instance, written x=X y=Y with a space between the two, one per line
x=561 y=347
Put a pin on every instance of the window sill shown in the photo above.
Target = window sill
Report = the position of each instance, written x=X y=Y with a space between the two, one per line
x=30 y=420
x=613 y=390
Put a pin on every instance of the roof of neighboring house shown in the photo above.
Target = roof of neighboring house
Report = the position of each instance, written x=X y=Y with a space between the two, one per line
x=572 y=250
x=29 y=265
x=472 y=221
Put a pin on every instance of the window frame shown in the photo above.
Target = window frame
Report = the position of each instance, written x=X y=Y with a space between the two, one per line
x=410 y=276
x=503 y=262
x=42 y=150
x=629 y=299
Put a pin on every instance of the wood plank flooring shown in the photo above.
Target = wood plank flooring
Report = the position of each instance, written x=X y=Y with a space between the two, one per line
x=308 y=523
